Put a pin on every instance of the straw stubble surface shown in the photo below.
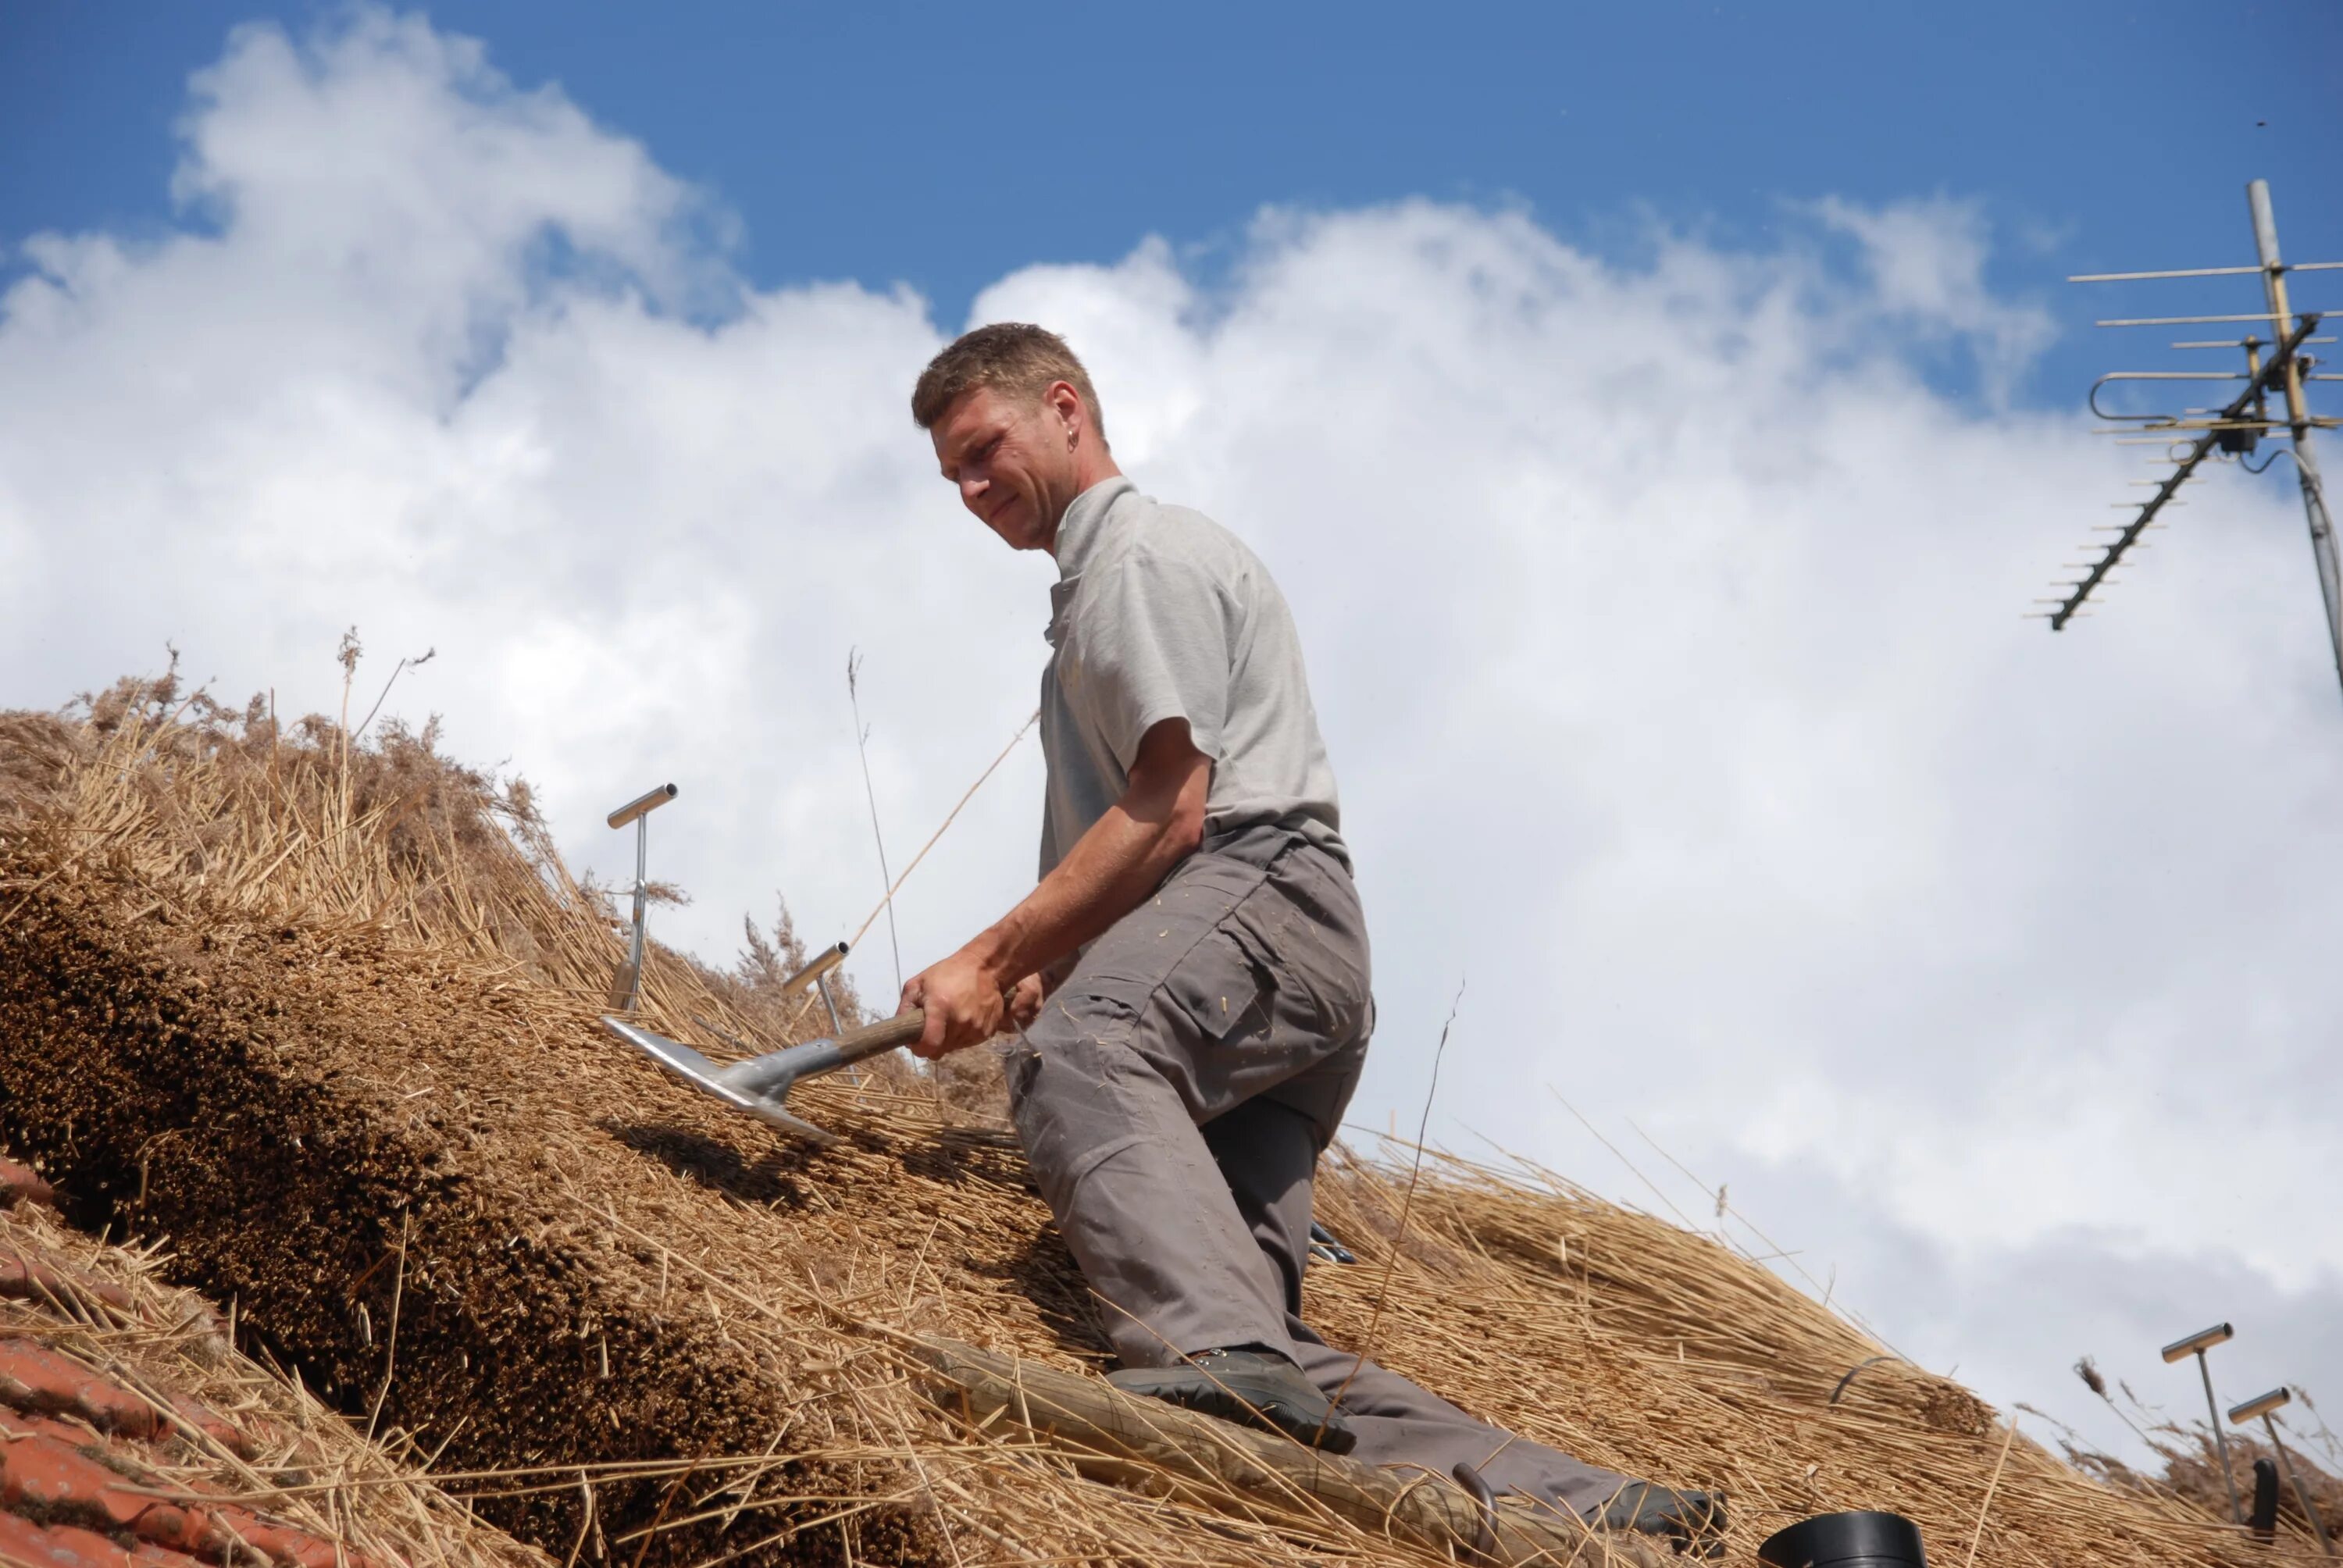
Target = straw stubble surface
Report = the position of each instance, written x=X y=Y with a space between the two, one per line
x=325 y=1017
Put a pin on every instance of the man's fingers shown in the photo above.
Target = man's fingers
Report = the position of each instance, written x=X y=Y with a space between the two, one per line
x=956 y=1017
x=932 y=1037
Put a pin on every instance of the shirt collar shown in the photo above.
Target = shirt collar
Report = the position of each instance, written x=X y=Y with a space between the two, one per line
x=1084 y=524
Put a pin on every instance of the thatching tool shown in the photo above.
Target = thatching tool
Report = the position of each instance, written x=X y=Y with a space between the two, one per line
x=818 y=969
x=2197 y=1344
x=760 y=1085
x=2262 y=1406
x=627 y=984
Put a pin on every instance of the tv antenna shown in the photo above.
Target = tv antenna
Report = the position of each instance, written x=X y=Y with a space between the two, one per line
x=2275 y=367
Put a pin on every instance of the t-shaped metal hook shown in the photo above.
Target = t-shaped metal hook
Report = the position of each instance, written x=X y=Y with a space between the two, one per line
x=627 y=984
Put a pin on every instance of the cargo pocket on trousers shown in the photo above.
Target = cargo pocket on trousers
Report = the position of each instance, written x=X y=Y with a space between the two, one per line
x=1295 y=953
x=1160 y=938
x=1220 y=989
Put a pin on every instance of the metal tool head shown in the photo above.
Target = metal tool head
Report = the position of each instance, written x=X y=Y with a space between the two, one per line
x=760 y=1085
x=761 y=1098
x=2199 y=1342
x=2260 y=1405
x=641 y=806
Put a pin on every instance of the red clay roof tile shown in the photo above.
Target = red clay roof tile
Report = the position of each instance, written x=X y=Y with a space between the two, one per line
x=42 y=1381
x=22 y=1184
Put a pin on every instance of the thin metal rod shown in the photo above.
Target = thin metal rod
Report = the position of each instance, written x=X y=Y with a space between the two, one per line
x=2191 y=320
x=2240 y=343
x=2301 y=1494
x=2306 y=464
x=2237 y=1513
x=836 y=1027
x=642 y=900
x=2163 y=425
x=2183 y=271
x=2162 y=432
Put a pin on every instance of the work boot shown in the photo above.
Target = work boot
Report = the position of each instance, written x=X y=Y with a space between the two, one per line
x=1255 y=1388
x=1692 y=1522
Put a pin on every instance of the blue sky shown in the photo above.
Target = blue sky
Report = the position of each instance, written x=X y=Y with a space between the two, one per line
x=944 y=146
x=1657 y=414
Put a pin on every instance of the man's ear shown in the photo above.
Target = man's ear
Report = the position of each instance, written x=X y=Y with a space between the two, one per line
x=1067 y=403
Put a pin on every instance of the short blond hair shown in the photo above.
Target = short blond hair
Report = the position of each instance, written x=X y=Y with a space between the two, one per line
x=1015 y=357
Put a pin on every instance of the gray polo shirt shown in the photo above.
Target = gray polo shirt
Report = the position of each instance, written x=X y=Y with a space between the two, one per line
x=1162 y=613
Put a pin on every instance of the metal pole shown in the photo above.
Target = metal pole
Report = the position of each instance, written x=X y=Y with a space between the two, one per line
x=626 y=985
x=2305 y=465
x=2228 y=1478
x=642 y=891
x=2300 y=1495
x=836 y=1027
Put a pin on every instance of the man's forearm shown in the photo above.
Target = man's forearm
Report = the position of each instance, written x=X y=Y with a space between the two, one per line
x=1123 y=856
x=1110 y=869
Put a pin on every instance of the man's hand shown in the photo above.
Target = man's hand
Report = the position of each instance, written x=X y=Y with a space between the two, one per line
x=1025 y=1000
x=964 y=1003
x=956 y=1016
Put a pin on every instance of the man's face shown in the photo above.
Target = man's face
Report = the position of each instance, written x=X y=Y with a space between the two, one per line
x=1012 y=460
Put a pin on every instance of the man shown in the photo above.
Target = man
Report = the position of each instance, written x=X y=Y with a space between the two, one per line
x=1191 y=972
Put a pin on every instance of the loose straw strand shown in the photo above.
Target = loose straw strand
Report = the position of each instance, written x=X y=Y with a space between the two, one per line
x=1982 y=1508
x=966 y=796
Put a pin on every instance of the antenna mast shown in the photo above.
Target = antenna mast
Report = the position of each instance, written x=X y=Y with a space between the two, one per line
x=2195 y=435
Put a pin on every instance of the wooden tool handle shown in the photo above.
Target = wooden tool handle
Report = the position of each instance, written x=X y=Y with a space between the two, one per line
x=883 y=1036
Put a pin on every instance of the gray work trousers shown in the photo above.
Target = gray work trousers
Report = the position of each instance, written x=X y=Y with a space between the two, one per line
x=1174 y=1097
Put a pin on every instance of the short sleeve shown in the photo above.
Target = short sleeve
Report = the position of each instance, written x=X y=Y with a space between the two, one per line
x=1153 y=644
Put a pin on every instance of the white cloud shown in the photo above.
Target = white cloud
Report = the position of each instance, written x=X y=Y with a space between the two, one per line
x=1663 y=622
x=1925 y=262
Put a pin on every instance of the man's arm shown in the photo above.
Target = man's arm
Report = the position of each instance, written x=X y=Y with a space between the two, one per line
x=1124 y=857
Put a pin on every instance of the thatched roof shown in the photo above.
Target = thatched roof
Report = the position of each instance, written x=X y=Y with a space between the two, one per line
x=133 y=1433
x=324 y=1014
